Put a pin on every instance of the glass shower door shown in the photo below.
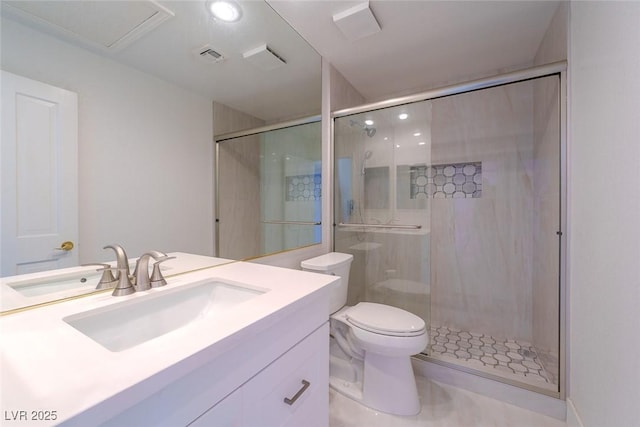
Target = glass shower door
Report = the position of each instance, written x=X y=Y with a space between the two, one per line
x=269 y=197
x=451 y=208
x=381 y=205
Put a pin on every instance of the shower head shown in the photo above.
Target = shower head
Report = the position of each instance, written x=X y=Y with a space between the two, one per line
x=367 y=156
x=369 y=130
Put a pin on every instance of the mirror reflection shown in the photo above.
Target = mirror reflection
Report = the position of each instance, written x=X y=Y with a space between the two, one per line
x=143 y=164
x=270 y=191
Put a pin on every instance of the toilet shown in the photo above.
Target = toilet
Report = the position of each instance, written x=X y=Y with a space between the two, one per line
x=371 y=345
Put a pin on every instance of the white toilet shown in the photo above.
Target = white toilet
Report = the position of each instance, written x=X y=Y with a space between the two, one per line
x=371 y=345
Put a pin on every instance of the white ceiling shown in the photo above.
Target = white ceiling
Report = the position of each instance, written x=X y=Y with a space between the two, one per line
x=423 y=44
x=166 y=51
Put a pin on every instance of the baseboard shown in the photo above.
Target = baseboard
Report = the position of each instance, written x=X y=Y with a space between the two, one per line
x=573 y=419
x=517 y=396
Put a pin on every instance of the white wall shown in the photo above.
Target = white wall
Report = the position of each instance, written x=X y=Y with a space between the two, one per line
x=145 y=148
x=604 y=192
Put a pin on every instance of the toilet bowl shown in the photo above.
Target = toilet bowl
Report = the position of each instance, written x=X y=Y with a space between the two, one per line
x=371 y=345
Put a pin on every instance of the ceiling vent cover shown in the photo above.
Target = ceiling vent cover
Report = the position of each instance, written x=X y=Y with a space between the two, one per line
x=264 y=57
x=109 y=25
x=209 y=54
x=357 y=22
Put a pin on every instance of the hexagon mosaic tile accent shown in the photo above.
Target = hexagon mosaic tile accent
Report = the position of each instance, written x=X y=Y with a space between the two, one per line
x=303 y=187
x=449 y=181
x=482 y=351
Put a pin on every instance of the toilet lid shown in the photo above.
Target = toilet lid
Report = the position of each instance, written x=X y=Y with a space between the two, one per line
x=385 y=319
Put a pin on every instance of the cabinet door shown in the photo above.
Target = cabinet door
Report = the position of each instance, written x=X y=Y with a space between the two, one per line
x=301 y=376
x=227 y=413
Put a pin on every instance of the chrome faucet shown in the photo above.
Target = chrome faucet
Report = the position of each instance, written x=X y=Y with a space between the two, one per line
x=140 y=280
x=107 y=280
x=143 y=281
x=122 y=262
x=123 y=276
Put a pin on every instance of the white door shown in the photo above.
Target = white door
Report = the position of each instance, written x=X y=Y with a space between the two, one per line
x=39 y=172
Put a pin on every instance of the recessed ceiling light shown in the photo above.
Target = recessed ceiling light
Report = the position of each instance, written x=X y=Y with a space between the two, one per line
x=224 y=10
x=417 y=134
x=386 y=138
x=403 y=116
x=421 y=143
x=397 y=145
x=368 y=122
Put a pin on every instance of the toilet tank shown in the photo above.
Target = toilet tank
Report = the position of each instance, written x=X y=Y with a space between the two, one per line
x=336 y=264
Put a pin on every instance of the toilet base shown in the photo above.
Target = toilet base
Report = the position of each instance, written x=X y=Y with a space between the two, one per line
x=385 y=384
x=390 y=385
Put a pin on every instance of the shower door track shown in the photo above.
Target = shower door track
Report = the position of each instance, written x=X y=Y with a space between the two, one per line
x=485 y=83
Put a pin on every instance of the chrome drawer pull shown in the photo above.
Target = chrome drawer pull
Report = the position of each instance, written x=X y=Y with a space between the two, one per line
x=305 y=385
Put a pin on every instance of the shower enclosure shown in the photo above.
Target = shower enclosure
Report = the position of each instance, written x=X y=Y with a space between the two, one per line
x=268 y=190
x=451 y=207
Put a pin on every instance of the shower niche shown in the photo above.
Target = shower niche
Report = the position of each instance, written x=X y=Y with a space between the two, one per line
x=451 y=210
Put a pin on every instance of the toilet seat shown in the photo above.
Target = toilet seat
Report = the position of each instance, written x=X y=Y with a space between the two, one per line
x=385 y=320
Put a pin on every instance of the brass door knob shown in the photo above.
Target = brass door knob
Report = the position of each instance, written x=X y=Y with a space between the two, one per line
x=65 y=246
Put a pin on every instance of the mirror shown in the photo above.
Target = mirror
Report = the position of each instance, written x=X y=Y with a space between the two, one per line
x=145 y=100
x=271 y=181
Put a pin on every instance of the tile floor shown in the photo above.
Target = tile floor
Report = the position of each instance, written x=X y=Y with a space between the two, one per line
x=516 y=360
x=442 y=406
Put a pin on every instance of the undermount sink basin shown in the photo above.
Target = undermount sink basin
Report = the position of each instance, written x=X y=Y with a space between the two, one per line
x=79 y=280
x=121 y=326
x=87 y=279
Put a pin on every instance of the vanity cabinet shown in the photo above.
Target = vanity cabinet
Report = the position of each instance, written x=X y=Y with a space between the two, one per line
x=232 y=367
x=291 y=391
x=247 y=386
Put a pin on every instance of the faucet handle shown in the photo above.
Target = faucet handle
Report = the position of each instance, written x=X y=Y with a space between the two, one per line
x=106 y=280
x=142 y=279
x=157 y=279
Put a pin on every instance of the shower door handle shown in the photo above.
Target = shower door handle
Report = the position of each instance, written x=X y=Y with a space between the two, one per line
x=292 y=222
x=406 y=227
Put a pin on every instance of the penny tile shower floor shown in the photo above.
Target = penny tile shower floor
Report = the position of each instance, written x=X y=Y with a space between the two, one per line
x=516 y=360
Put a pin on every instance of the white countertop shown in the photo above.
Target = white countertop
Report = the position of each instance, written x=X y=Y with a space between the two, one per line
x=49 y=365
x=10 y=299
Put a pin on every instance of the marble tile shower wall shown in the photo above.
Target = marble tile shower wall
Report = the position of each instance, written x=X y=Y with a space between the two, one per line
x=239 y=190
x=239 y=185
x=546 y=199
x=290 y=183
x=481 y=247
x=389 y=267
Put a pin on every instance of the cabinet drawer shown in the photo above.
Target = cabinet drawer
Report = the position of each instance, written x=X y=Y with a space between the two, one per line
x=264 y=396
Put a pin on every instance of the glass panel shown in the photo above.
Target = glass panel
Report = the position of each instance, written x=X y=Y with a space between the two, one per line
x=374 y=164
x=495 y=257
x=480 y=173
x=269 y=192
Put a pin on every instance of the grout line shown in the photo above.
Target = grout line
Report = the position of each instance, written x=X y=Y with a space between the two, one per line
x=500 y=356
